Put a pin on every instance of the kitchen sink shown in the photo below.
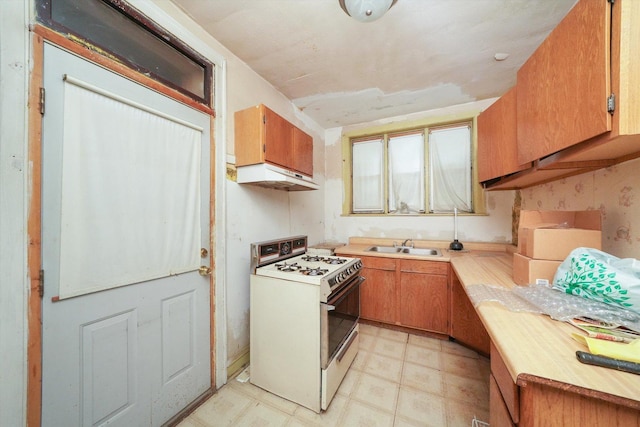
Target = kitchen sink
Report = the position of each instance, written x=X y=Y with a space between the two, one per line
x=405 y=250
x=421 y=251
x=385 y=249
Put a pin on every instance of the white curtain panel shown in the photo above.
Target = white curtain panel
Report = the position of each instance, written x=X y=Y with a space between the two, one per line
x=406 y=174
x=130 y=193
x=368 y=166
x=450 y=169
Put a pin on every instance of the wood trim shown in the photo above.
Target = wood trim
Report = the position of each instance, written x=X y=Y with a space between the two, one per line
x=525 y=380
x=93 y=54
x=34 y=340
x=212 y=251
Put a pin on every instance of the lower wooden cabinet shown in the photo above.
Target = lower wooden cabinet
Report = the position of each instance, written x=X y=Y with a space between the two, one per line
x=465 y=325
x=424 y=295
x=498 y=412
x=378 y=292
x=409 y=293
x=536 y=401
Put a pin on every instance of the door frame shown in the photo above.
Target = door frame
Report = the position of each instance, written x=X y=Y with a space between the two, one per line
x=34 y=309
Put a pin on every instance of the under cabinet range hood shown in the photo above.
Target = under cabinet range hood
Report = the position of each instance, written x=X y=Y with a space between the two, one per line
x=271 y=176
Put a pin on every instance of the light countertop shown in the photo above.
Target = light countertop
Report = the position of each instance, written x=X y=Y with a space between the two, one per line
x=534 y=347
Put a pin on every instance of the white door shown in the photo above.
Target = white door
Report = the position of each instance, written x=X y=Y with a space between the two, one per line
x=125 y=226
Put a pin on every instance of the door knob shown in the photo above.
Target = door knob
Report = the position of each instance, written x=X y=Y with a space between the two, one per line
x=204 y=270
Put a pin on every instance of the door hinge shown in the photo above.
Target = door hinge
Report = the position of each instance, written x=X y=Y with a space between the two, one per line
x=41 y=284
x=264 y=119
x=41 y=101
x=264 y=148
x=611 y=103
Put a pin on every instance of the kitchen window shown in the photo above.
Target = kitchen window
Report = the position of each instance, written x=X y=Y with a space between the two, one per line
x=416 y=170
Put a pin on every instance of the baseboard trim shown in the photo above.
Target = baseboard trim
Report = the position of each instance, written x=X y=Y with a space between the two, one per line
x=238 y=364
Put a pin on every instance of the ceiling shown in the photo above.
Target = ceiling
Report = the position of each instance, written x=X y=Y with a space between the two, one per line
x=421 y=55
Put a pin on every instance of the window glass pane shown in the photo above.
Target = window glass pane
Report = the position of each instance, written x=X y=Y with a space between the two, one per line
x=111 y=30
x=450 y=169
x=367 y=169
x=406 y=174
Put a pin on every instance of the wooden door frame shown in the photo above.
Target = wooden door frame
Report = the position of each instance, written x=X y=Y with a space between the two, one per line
x=39 y=35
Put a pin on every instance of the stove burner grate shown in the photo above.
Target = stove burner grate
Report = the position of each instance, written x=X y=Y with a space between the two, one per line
x=312 y=258
x=334 y=260
x=288 y=267
x=314 y=271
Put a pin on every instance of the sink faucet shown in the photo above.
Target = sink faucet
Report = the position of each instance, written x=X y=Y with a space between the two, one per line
x=404 y=244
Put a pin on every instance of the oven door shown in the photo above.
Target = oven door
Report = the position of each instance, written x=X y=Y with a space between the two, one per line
x=340 y=316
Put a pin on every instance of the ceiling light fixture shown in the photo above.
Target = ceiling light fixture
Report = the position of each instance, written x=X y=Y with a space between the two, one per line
x=366 y=10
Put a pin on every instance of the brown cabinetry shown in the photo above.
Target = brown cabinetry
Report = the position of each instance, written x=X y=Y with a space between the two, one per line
x=404 y=292
x=537 y=401
x=261 y=135
x=563 y=123
x=378 y=292
x=563 y=87
x=302 y=152
x=424 y=298
x=497 y=136
x=465 y=325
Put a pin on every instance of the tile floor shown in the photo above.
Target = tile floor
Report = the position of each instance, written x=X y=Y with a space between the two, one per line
x=397 y=379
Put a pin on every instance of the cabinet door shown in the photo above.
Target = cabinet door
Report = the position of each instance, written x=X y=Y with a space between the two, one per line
x=563 y=87
x=378 y=295
x=466 y=326
x=498 y=412
x=497 y=139
x=423 y=303
x=302 y=152
x=378 y=292
x=278 y=139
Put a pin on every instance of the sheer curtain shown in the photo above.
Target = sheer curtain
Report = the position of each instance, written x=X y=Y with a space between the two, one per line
x=450 y=169
x=406 y=173
x=368 y=175
x=130 y=207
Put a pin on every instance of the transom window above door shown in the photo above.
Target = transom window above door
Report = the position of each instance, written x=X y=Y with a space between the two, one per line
x=418 y=169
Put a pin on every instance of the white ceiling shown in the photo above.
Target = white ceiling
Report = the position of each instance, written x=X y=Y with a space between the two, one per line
x=421 y=55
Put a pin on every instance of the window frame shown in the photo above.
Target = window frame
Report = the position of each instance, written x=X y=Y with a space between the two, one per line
x=43 y=16
x=396 y=128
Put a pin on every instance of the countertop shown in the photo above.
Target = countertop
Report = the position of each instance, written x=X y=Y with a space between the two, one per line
x=534 y=347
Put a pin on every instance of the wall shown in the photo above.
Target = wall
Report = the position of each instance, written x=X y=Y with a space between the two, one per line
x=14 y=69
x=494 y=227
x=614 y=191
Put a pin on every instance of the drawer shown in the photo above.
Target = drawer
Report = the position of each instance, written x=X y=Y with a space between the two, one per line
x=508 y=388
x=378 y=263
x=428 y=267
x=498 y=413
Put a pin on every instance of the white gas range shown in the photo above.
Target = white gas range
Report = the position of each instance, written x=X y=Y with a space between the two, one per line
x=304 y=320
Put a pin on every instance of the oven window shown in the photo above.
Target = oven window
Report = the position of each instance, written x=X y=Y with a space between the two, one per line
x=343 y=319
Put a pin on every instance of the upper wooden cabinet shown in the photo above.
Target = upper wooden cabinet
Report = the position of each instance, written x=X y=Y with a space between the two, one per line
x=302 y=152
x=497 y=148
x=563 y=123
x=563 y=87
x=261 y=135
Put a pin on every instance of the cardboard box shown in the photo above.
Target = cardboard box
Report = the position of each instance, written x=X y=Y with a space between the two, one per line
x=552 y=235
x=528 y=270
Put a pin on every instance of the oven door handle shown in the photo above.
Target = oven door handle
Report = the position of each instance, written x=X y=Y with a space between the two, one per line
x=346 y=347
